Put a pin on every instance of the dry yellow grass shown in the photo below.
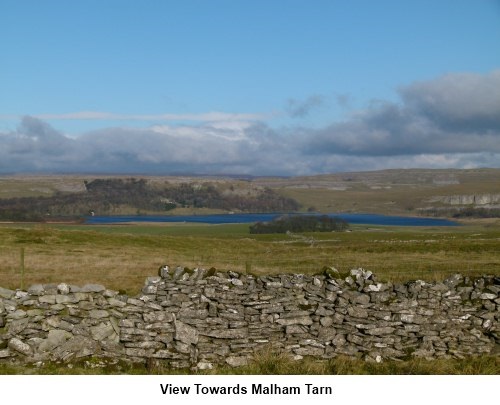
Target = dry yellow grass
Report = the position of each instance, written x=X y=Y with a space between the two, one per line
x=120 y=257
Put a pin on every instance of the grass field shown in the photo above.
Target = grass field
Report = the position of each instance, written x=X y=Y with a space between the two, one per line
x=279 y=364
x=121 y=256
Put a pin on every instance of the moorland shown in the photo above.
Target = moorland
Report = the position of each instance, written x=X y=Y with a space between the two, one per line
x=121 y=256
x=60 y=248
x=394 y=192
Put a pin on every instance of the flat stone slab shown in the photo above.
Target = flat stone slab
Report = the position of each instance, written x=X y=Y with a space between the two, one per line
x=227 y=333
x=92 y=288
x=5 y=293
x=185 y=333
x=20 y=347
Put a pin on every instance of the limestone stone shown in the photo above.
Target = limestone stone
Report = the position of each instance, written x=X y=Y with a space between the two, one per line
x=47 y=299
x=20 y=347
x=158 y=316
x=63 y=288
x=274 y=284
x=36 y=289
x=66 y=299
x=412 y=318
x=82 y=296
x=150 y=289
x=34 y=312
x=356 y=339
x=67 y=326
x=102 y=331
x=309 y=351
x=55 y=338
x=17 y=314
x=382 y=296
x=362 y=299
x=6 y=293
x=227 y=334
x=193 y=313
x=324 y=311
x=185 y=333
x=296 y=329
x=98 y=313
x=18 y=326
x=373 y=287
x=357 y=312
x=326 y=334
x=338 y=318
x=135 y=301
x=164 y=271
x=270 y=308
x=204 y=365
x=76 y=347
x=92 y=288
x=302 y=320
x=380 y=331
x=454 y=280
x=57 y=307
x=163 y=354
x=116 y=303
x=179 y=271
x=237 y=361
x=339 y=340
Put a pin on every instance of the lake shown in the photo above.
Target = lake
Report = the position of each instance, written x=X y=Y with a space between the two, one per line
x=366 y=219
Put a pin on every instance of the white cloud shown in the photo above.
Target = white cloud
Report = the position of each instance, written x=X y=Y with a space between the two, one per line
x=213 y=116
x=455 y=113
x=426 y=129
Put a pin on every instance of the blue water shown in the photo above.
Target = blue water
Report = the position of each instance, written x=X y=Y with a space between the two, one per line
x=366 y=219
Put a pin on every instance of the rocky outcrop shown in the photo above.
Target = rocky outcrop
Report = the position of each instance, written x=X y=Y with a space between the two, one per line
x=468 y=199
x=204 y=318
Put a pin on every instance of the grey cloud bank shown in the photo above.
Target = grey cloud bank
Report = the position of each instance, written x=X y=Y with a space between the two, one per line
x=456 y=113
x=450 y=121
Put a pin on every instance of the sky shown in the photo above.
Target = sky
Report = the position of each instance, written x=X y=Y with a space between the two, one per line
x=275 y=87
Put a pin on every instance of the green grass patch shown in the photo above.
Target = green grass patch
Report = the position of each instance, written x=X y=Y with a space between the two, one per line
x=271 y=363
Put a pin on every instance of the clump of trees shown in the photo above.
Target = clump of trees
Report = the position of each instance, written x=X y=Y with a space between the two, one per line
x=300 y=223
x=208 y=196
x=471 y=212
x=467 y=212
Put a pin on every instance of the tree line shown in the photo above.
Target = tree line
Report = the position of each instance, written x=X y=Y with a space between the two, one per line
x=467 y=212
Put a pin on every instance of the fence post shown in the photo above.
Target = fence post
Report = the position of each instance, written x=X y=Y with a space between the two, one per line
x=22 y=268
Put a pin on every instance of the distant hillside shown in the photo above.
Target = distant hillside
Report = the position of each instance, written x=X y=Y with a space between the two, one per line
x=402 y=192
x=448 y=193
x=132 y=196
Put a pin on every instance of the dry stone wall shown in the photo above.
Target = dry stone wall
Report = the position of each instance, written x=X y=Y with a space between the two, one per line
x=204 y=318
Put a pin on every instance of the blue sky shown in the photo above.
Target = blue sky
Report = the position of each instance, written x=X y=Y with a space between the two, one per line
x=254 y=87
